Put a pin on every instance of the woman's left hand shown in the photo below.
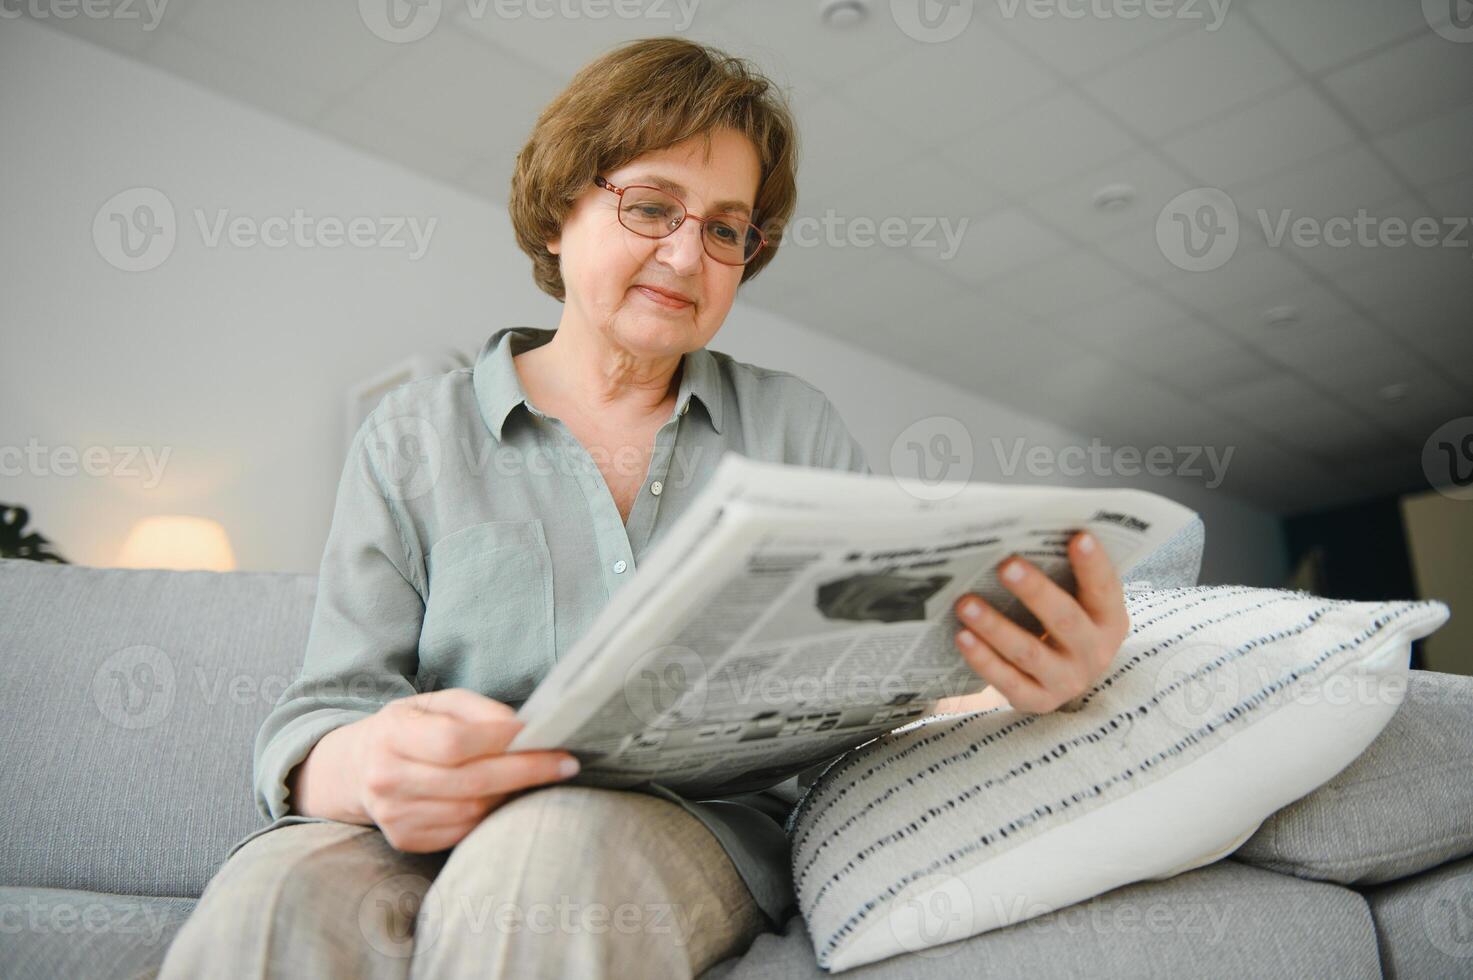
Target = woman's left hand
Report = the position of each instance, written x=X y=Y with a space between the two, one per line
x=1082 y=636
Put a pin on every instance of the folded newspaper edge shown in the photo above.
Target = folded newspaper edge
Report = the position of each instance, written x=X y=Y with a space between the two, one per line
x=794 y=613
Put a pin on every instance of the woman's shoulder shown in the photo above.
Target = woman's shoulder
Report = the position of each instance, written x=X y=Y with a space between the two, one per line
x=436 y=399
x=758 y=387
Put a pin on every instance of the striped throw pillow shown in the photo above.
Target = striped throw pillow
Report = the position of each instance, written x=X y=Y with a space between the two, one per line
x=1222 y=706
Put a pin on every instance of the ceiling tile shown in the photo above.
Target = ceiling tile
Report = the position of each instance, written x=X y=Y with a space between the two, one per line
x=1190 y=78
x=129 y=35
x=1410 y=81
x=1164 y=351
x=1434 y=150
x=1077 y=46
x=1119 y=319
x=236 y=78
x=425 y=152
x=1039 y=145
x=1058 y=283
x=489 y=179
x=1069 y=390
x=1250 y=273
x=1348 y=248
x=1285 y=405
x=1425 y=403
x=920 y=187
x=837 y=140
x=1270 y=135
x=808 y=255
x=937 y=90
x=1358 y=372
x=903 y=295
x=1320 y=33
x=792 y=38
x=1138 y=251
x=1417 y=292
x=1221 y=367
x=324 y=47
x=1319 y=310
x=1319 y=350
x=1335 y=184
x=563 y=38
x=1454 y=200
x=1070 y=205
x=447 y=84
x=998 y=243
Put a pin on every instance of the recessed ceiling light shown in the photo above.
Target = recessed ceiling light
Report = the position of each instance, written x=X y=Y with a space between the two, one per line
x=1282 y=316
x=1114 y=197
x=1394 y=392
x=842 y=13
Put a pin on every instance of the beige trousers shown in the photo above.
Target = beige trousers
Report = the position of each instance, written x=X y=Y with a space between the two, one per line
x=561 y=881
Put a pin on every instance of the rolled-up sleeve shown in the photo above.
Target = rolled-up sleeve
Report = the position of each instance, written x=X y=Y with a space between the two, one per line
x=363 y=643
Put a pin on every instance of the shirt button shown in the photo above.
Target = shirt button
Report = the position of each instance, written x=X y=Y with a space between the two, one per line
x=656 y=487
x=620 y=565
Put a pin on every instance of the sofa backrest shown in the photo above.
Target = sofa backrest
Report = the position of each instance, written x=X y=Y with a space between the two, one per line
x=130 y=709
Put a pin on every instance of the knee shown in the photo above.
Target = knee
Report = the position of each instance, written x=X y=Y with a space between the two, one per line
x=312 y=873
x=558 y=843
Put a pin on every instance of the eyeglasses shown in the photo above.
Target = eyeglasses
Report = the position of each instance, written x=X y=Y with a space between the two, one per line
x=648 y=211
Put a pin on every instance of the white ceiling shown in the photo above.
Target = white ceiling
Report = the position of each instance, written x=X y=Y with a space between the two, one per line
x=1324 y=107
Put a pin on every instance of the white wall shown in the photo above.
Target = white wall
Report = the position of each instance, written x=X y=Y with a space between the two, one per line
x=234 y=360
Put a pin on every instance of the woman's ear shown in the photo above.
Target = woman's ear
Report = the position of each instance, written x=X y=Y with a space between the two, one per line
x=554 y=245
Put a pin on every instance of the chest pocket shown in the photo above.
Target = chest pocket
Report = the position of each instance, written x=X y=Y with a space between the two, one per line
x=490 y=612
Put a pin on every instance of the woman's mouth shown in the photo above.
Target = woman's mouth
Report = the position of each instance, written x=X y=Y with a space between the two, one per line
x=662 y=299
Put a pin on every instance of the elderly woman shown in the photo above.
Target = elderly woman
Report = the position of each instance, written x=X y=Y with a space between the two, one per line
x=483 y=519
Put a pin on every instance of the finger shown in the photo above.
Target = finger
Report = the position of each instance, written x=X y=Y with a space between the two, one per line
x=462 y=703
x=424 y=813
x=1100 y=593
x=1020 y=689
x=1046 y=665
x=446 y=740
x=1065 y=620
x=482 y=777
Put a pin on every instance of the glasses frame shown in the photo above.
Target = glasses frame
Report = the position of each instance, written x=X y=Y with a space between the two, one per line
x=686 y=213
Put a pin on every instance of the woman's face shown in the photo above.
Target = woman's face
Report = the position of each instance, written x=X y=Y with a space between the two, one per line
x=604 y=263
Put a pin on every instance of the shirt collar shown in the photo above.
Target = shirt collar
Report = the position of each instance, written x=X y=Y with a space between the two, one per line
x=499 y=388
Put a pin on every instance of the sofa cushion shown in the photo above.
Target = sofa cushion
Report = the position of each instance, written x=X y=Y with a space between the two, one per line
x=1424 y=924
x=1404 y=805
x=130 y=708
x=1223 y=705
x=52 y=932
x=1225 y=920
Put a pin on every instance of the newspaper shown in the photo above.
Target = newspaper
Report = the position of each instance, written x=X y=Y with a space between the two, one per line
x=794 y=613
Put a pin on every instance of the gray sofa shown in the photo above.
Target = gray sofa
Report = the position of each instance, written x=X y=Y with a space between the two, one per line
x=132 y=700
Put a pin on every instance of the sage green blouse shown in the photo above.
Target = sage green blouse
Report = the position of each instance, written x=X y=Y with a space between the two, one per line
x=474 y=540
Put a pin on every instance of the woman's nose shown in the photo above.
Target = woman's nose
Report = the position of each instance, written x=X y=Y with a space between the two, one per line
x=682 y=250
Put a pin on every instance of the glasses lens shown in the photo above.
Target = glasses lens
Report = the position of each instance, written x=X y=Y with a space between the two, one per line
x=650 y=212
x=731 y=239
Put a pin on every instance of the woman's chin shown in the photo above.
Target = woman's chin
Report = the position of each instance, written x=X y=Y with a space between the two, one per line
x=656 y=334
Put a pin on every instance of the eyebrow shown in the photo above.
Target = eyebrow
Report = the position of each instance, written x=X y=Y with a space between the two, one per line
x=680 y=190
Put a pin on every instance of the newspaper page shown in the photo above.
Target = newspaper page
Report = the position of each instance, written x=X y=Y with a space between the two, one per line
x=795 y=613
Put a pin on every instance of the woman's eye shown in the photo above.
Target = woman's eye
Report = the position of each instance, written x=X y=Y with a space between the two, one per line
x=726 y=233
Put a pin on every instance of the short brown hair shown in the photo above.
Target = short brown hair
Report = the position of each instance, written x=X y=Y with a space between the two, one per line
x=640 y=97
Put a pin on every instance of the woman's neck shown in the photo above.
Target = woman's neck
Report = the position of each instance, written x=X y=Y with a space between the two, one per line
x=604 y=384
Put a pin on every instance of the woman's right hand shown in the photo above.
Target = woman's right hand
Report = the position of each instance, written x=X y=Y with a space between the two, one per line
x=426 y=769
